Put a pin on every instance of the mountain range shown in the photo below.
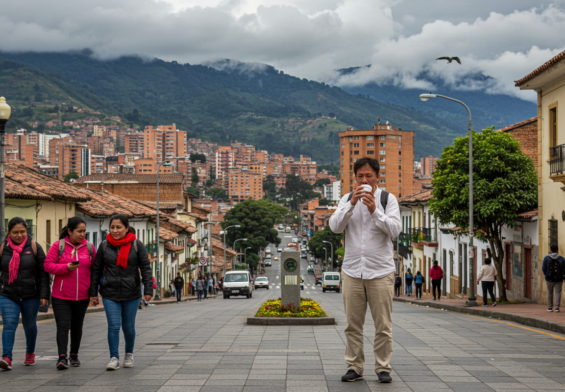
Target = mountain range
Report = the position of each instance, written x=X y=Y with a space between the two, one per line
x=230 y=100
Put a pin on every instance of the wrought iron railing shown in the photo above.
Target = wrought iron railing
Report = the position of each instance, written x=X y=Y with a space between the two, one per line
x=557 y=160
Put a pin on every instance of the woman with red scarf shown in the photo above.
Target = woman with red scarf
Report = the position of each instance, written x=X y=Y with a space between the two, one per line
x=24 y=286
x=116 y=274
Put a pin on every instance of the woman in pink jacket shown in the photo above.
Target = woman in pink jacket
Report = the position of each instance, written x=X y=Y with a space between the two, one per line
x=70 y=298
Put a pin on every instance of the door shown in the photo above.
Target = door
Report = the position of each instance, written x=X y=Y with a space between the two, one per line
x=508 y=257
x=475 y=255
x=528 y=262
x=465 y=269
x=460 y=268
x=425 y=273
x=444 y=271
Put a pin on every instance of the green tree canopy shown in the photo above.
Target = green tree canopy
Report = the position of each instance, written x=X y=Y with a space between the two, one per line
x=194 y=179
x=197 y=157
x=504 y=185
x=217 y=193
x=298 y=190
x=317 y=245
x=270 y=187
x=71 y=176
x=193 y=190
x=322 y=182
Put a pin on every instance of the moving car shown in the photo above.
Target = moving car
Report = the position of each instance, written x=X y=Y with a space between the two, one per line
x=331 y=281
x=295 y=240
x=310 y=269
x=268 y=256
x=303 y=256
x=279 y=250
x=238 y=283
x=268 y=263
x=287 y=229
x=268 y=250
x=262 y=282
x=276 y=258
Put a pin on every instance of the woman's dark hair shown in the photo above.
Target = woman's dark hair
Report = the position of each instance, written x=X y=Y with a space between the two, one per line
x=409 y=271
x=125 y=221
x=16 y=221
x=363 y=161
x=435 y=262
x=418 y=273
x=488 y=260
x=72 y=225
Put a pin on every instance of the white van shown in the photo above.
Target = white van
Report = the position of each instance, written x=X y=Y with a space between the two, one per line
x=237 y=283
x=331 y=281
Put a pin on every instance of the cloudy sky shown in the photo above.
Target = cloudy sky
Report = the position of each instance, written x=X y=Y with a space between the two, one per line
x=503 y=39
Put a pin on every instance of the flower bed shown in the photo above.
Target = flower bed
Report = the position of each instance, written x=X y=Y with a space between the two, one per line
x=308 y=308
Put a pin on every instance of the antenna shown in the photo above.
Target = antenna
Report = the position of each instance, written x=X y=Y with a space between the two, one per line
x=379 y=123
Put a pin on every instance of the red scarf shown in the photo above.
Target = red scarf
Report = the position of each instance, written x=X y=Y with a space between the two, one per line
x=14 y=265
x=125 y=246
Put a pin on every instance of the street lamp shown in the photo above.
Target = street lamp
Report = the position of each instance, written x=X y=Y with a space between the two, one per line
x=210 y=251
x=472 y=300
x=5 y=111
x=332 y=254
x=326 y=264
x=245 y=255
x=239 y=239
x=158 y=295
x=225 y=232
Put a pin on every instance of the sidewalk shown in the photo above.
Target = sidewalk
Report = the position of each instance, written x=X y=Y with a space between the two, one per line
x=100 y=307
x=533 y=315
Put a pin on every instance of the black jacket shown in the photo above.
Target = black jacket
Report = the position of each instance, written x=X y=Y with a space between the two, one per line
x=32 y=280
x=120 y=284
x=179 y=282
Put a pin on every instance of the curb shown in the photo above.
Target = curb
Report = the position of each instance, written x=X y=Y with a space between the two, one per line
x=252 y=320
x=529 y=321
x=49 y=316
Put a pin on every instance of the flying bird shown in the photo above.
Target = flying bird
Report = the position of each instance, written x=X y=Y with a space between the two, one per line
x=450 y=59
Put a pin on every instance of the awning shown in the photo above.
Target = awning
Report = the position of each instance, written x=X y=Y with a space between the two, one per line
x=173 y=248
x=191 y=242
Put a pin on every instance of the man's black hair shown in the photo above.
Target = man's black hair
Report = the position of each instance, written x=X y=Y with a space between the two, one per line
x=554 y=248
x=363 y=161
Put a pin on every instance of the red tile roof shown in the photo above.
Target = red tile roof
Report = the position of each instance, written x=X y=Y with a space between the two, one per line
x=541 y=69
x=423 y=195
x=528 y=215
x=518 y=124
x=105 y=204
x=173 y=248
x=133 y=178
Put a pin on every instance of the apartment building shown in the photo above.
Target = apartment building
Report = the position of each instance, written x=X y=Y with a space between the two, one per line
x=225 y=160
x=174 y=142
x=73 y=158
x=305 y=168
x=148 y=166
x=393 y=148
x=332 y=191
x=134 y=143
x=428 y=165
x=153 y=143
x=244 y=184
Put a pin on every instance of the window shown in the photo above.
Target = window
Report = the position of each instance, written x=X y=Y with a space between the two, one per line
x=356 y=152
x=399 y=167
x=355 y=159
x=400 y=161
x=370 y=144
x=382 y=145
x=370 y=137
x=342 y=146
x=350 y=138
x=400 y=181
x=356 y=137
x=60 y=226
x=355 y=144
x=48 y=233
x=382 y=181
x=87 y=237
x=382 y=159
x=553 y=127
x=350 y=167
x=382 y=152
x=382 y=174
x=552 y=232
x=399 y=145
x=370 y=152
x=95 y=238
x=383 y=167
x=399 y=152
x=399 y=138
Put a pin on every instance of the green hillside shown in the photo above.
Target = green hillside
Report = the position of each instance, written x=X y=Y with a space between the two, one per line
x=274 y=111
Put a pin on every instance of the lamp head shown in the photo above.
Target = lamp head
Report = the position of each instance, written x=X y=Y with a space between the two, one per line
x=425 y=97
x=244 y=239
x=237 y=226
x=5 y=109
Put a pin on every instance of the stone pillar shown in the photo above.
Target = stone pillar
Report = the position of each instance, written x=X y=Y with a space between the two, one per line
x=290 y=277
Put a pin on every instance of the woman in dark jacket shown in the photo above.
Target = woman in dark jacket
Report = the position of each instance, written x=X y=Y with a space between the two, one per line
x=116 y=270
x=24 y=287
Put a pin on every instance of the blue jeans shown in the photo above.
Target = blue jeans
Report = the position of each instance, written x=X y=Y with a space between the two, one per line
x=179 y=295
x=199 y=295
x=408 y=289
x=120 y=314
x=10 y=311
x=205 y=292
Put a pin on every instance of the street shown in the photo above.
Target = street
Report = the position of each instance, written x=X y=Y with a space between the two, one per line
x=207 y=346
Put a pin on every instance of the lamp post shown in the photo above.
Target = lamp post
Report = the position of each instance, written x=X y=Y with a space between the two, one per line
x=326 y=264
x=209 y=243
x=158 y=295
x=239 y=239
x=332 y=254
x=225 y=232
x=245 y=255
x=472 y=300
x=5 y=111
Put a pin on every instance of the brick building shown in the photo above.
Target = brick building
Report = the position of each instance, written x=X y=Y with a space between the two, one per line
x=225 y=160
x=428 y=165
x=244 y=184
x=526 y=133
x=393 y=148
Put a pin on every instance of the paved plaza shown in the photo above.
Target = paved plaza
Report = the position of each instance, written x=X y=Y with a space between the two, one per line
x=207 y=346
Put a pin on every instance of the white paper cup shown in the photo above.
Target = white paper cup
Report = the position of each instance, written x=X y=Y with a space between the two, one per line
x=367 y=188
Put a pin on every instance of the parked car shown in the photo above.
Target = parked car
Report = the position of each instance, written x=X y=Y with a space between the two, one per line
x=303 y=256
x=313 y=260
x=268 y=250
x=268 y=263
x=262 y=282
x=310 y=269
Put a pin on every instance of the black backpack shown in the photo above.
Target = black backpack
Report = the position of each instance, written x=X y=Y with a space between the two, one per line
x=555 y=270
x=384 y=199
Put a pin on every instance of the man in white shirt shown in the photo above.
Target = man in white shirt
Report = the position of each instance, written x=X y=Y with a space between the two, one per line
x=370 y=221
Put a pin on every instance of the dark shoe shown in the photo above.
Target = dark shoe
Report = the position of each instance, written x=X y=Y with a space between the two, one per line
x=556 y=309
x=62 y=363
x=549 y=309
x=75 y=362
x=351 y=375
x=384 y=377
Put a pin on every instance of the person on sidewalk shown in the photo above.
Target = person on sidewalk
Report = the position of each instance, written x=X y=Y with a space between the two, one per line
x=70 y=261
x=436 y=275
x=24 y=286
x=397 y=285
x=487 y=276
x=419 y=280
x=193 y=286
x=199 y=287
x=179 y=285
x=553 y=268
x=370 y=218
x=408 y=279
x=119 y=261
x=211 y=285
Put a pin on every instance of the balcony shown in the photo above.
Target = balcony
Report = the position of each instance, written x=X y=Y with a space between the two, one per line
x=419 y=237
x=557 y=163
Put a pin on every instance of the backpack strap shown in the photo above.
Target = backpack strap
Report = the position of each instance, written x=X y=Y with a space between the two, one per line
x=61 y=248
x=90 y=248
x=384 y=199
x=34 y=247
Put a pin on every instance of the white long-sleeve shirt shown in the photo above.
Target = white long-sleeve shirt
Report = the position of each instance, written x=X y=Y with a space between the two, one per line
x=368 y=238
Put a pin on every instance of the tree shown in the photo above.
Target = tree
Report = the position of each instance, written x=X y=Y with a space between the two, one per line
x=270 y=187
x=38 y=97
x=504 y=185
x=330 y=168
x=197 y=157
x=217 y=193
x=194 y=179
x=71 y=176
x=322 y=182
x=298 y=190
x=317 y=245
x=257 y=220
x=193 y=190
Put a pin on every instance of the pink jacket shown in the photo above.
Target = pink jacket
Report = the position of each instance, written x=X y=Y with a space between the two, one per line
x=70 y=285
x=436 y=273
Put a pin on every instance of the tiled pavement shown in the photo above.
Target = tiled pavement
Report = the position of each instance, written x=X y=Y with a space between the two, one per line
x=206 y=346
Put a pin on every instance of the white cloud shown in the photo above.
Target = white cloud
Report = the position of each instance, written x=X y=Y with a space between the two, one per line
x=305 y=38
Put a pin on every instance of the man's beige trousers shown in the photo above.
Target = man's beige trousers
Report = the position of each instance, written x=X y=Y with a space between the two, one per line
x=378 y=293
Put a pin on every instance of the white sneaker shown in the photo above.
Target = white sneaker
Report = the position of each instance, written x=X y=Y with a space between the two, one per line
x=128 y=362
x=114 y=364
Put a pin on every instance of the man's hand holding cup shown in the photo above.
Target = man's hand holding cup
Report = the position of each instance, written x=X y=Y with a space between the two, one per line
x=365 y=194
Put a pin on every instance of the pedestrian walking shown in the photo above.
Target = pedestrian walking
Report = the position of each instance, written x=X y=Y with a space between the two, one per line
x=487 y=275
x=205 y=286
x=553 y=268
x=119 y=261
x=179 y=285
x=397 y=285
x=200 y=287
x=211 y=285
x=370 y=218
x=436 y=274
x=419 y=280
x=216 y=287
x=193 y=286
x=70 y=261
x=24 y=288
x=408 y=279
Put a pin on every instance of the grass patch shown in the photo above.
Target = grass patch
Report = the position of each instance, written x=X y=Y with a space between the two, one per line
x=308 y=308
